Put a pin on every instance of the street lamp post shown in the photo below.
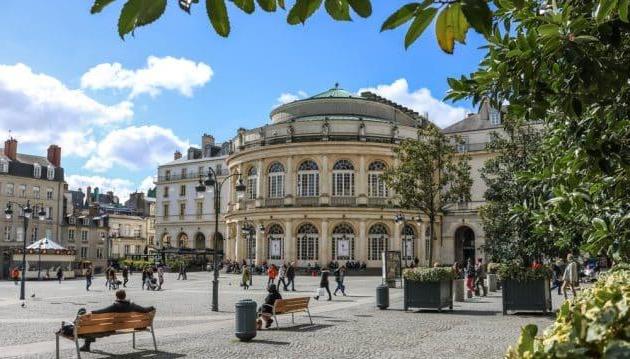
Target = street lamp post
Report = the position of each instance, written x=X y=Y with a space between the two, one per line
x=27 y=211
x=39 y=259
x=213 y=184
x=400 y=218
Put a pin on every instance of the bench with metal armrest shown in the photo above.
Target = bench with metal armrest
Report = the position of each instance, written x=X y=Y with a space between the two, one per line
x=290 y=306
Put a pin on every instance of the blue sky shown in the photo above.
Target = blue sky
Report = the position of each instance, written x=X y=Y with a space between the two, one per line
x=116 y=124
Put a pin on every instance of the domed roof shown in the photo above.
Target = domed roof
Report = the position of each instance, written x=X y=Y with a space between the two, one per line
x=334 y=92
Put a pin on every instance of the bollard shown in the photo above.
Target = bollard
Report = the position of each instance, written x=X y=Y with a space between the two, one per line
x=459 y=288
x=382 y=296
x=245 y=319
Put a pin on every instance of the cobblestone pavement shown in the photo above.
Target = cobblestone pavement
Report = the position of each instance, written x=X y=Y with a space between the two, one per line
x=347 y=327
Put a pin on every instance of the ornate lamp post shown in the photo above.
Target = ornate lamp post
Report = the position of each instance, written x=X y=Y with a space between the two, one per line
x=400 y=218
x=39 y=258
x=27 y=211
x=212 y=184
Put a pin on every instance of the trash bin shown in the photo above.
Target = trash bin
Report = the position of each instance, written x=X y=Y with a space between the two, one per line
x=382 y=296
x=245 y=319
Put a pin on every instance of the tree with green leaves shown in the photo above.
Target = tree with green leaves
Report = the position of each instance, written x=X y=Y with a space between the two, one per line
x=508 y=236
x=431 y=176
x=452 y=18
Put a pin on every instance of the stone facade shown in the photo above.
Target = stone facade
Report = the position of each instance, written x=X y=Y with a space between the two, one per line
x=185 y=218
x=35 y=179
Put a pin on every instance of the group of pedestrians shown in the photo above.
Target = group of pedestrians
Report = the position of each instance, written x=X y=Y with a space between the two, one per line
x=475 y=276
x=324 y=282
x=285 y=275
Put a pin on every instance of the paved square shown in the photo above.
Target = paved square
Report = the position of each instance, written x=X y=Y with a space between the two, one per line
x=347 y=327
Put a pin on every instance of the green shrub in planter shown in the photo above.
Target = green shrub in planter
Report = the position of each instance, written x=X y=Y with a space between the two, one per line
x=424 y=274
x=519 y=273
x=595 y=325
x=493 y=267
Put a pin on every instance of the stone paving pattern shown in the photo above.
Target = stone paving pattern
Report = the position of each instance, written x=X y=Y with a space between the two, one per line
x=347 y=327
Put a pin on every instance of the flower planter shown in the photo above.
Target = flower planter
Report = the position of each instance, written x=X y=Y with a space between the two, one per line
x=532 y=295
x=430 y=295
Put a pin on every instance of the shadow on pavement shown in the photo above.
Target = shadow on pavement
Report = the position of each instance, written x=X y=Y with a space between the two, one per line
x=303 y=328
x=270 y=342
x=141 y=354
x=460 y=312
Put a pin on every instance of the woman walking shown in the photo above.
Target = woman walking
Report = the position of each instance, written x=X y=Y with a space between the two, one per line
x=323 y=283
x=273 y=273
x=570 y=277
x=282 y=277
x=470 y=277
x=340 y=275
x=88 y=278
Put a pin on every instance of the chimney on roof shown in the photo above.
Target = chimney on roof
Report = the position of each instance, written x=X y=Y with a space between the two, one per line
x=10 y=148
x=54 y=155
x=88 y=196
x=177 y=155
x=206 y=140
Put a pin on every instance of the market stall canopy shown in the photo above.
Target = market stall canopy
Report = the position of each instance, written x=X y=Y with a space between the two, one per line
x=45 y=243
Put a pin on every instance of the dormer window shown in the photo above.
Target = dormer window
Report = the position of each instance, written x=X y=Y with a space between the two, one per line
x=50 y=173
x=4 y=165
x=495 y=117
x=37 y=171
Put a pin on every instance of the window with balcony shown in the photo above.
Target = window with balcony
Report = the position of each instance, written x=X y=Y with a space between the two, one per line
x=252 y=183
x=167 y=175
x=165 y=191
x=376 y=185
x=182 y=190
x=343 y=179
x=276 y=180
x=308 y=179
x=184 y=173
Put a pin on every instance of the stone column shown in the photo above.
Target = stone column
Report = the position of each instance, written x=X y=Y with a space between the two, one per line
x=324 y=244
x=324 y=181
x=396 y=245
x=239 y=243
x=361 y=185
x=362 y=253
x=260 y=245
x=290 y=247
x=289 y=182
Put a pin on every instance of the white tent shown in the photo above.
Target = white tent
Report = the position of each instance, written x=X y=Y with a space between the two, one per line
x=44 y=257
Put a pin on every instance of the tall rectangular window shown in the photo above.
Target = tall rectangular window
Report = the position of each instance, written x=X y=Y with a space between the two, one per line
x=165 y=211
x=84 y=252
x=84 y=236
x=37 y=171
x=71 y=235
x=184 y=172
x=36 y=192
x=99 y=253
x=50 y=173
x=308 y=184
x=49 y=194
x=199 y=209
x=182 y=210
x=9 y=189
x=7 y=233
x=182 y=190
x=167 y=175
x=22 y=191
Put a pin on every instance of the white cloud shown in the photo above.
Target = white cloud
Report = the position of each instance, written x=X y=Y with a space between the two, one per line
x=39 y=109
x=146 y=184
x=420 y=100
x=287 y=97
x=121 y=187
x=177 y=74
x=135 y=147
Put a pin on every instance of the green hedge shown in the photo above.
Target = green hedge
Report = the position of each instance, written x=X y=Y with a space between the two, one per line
x=595 y=325
x=423 y=274
x=522 y=274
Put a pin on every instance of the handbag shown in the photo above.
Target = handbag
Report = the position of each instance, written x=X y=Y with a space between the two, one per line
x=320 y=292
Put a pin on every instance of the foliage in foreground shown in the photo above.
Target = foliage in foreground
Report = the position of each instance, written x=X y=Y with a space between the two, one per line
x=424 y=274
x=516 y=271
x=595 y=325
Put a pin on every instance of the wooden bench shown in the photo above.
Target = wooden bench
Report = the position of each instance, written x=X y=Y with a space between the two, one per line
x=106 y=324
x=290 y=306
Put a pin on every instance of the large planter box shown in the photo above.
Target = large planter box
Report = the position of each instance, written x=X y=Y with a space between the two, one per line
x=526 y=296
x=431 y=295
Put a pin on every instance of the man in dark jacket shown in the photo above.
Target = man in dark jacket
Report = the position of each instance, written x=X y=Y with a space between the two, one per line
x=266 y=310
x=324 y=283
x=290 y=277
x=121 y=305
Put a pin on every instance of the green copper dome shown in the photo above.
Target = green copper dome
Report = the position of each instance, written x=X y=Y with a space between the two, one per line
x=334 y=92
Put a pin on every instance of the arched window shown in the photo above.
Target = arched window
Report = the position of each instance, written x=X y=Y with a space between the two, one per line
x=276 y=180
x=343 y=179
x=376 y=185
x=249 y=233
x=252 y=182
x=182 y=240
x=307 y=242
x=308 y=179
x=408 y=242
x=377 y=241
x=275 y=242
x=343 y=242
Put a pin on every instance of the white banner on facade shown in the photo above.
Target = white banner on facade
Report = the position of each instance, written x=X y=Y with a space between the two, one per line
x=275 y=248
x=343 y=246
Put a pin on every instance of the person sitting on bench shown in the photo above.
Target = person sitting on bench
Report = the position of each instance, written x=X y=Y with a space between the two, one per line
x=266 y=310
x=121 y=305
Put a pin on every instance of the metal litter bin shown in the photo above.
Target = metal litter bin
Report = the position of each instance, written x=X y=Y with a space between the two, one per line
x=382 y=296
x=245 y=319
